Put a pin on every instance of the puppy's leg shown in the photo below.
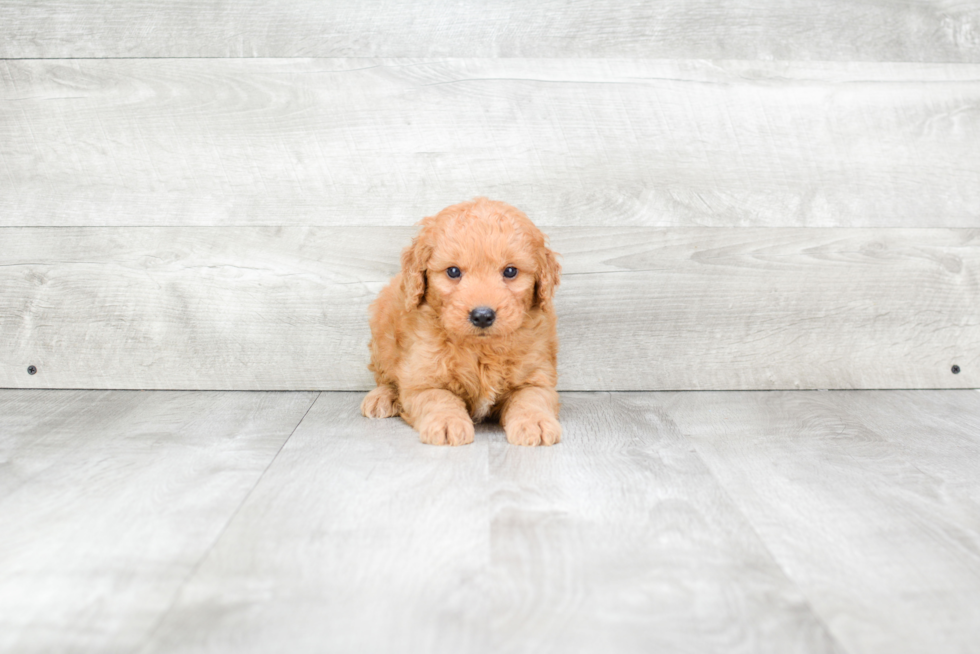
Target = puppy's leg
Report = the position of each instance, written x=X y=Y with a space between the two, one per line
x=530 y=417
x=439 y=416
x=382 y=402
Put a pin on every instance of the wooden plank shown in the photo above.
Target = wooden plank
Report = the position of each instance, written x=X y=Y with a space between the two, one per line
x=191 y=308
x=358 y=539
x=620 y=540
x=842 y=509
x=108 y=500
x=930 y=30
x=570 y=141
x=361 y=539
x=733 y=309
x=886 y=551
x=285 y=308
x=939 y=431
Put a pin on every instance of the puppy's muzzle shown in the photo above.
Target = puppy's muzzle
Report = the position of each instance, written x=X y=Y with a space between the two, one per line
x=482 y=317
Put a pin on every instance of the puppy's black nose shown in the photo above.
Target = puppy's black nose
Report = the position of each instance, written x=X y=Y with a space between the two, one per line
x=482 y=317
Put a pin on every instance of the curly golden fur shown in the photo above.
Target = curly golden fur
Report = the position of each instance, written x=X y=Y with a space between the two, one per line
x=436 y=361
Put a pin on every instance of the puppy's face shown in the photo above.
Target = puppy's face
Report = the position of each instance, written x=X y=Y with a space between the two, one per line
x=483 y=267
x=481 y=279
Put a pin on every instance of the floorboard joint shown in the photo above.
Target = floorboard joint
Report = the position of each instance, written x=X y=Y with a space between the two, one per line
x=148 y=641
x=665 y=417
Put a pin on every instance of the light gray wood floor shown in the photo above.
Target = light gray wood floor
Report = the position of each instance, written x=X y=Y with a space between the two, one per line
x=842 y=521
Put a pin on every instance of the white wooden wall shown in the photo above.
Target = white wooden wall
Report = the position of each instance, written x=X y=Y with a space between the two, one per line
x=747 y=194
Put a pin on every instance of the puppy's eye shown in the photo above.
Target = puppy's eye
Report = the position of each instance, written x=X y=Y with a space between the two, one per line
x=454 y=272
x=510 y=272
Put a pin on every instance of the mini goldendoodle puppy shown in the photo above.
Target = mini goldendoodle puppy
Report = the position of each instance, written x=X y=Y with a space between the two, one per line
x=466 y=330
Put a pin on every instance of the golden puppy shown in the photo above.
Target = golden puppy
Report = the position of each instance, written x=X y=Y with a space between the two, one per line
x=466 y=330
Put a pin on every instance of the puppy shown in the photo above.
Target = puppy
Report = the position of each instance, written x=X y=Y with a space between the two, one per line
x=466 y=330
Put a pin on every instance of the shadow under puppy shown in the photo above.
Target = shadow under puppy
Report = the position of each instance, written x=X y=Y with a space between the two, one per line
x=466 y=330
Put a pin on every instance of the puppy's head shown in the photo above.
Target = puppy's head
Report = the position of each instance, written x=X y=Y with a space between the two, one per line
x=482 y=266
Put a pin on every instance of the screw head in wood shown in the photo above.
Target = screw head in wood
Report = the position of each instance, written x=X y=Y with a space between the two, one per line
x=31 y=370
x=955 y=369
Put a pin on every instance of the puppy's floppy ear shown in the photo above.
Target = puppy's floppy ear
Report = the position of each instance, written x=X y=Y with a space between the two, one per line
x=548 y=277
x=414 y=260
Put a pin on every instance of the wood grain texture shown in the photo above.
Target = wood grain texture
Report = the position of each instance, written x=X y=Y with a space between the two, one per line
x=108 y=500
x=285 y=308
x=881 y=540
x=572 y=142
x=939 y=432
x=620 y=540
x=929 y=30
x=688 y=522
x=360 y=539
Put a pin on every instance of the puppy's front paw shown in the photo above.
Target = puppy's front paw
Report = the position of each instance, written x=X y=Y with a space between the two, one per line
x=382 y=402
x=446 y=429
x=534 y=429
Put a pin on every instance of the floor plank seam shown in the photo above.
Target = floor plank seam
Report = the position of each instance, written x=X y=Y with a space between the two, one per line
x=776 y=562
x=194 y=570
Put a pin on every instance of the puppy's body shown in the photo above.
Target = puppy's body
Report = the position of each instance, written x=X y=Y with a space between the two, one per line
x=437 y=362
